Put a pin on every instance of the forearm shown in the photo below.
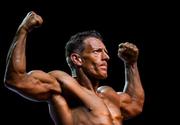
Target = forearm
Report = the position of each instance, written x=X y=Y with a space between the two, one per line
x=132 y=100
x=16 y=63
x=59 y=110
x=133 y=85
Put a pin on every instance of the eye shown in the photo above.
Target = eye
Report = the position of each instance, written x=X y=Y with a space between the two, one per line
x=97 y=51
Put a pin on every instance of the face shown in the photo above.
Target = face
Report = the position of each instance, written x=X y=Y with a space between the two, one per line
x=94 y=58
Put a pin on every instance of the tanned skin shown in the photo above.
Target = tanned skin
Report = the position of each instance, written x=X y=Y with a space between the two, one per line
x=77 y=100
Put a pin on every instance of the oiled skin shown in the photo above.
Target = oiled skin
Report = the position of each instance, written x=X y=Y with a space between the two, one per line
x=80 y=100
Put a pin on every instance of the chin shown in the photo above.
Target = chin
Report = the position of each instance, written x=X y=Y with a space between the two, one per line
x=102 y=77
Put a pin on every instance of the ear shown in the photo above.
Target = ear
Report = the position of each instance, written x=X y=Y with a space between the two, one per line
x=76 y=59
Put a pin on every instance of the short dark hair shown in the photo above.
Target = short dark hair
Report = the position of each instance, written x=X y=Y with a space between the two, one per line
x=75 y=44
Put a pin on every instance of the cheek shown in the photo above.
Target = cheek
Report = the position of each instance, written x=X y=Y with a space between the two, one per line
x=93 y=70
x=91 y=64
x=90 y=67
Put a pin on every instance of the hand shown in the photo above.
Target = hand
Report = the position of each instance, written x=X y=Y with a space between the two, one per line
x=32 y=20
x=128 y=52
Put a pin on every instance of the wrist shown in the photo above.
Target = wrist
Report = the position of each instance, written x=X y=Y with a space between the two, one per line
x=130 y=64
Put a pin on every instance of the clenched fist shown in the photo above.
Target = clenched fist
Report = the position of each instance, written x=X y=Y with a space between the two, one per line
x=128 y=52
x=32 y=20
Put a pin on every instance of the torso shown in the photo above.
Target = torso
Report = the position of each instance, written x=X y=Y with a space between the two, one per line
x=82 y=116
x=88 y=107
x=114 y=112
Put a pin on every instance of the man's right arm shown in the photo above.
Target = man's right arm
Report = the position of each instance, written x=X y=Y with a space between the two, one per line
x=35 y=85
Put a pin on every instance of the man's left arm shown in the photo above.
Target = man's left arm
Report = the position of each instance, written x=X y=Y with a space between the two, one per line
x=132 y=97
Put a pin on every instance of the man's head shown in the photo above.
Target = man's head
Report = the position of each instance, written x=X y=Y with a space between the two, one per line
x=76 y=44
x=86 y=50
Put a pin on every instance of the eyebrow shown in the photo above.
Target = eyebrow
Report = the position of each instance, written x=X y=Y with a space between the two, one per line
x=101 y=49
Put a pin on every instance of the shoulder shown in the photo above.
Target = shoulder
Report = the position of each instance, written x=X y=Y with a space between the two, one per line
x=109 y=90
x=103 y=89
x=58 y=73
x=118 y=98
x=62 y=76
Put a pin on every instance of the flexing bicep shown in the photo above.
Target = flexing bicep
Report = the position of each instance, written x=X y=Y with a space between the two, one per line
x=129 y=107
x=35 y=85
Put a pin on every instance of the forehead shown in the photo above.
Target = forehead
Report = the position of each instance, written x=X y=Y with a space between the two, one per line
x=93 y=43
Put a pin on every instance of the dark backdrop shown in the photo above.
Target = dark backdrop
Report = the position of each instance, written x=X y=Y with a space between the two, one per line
x=116 y=22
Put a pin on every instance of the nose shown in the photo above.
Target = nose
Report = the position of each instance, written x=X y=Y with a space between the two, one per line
x=105 y=56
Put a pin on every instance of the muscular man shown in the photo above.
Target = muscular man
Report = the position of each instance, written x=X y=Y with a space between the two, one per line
x=77 y=99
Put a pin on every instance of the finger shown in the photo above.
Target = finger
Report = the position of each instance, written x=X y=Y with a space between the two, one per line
x=121 y=45
x=40 y=20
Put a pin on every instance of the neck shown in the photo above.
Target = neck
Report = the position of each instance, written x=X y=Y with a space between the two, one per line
x=84 y=80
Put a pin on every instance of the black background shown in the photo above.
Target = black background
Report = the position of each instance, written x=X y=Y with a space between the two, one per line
x=117 y=22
